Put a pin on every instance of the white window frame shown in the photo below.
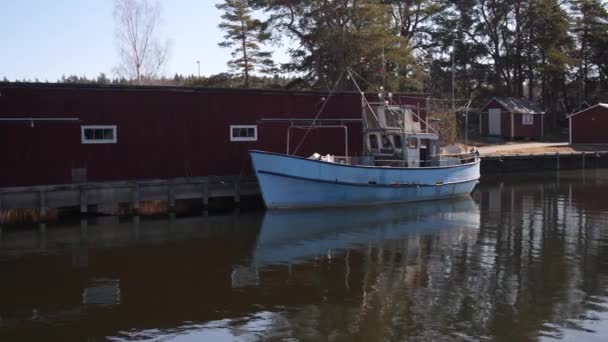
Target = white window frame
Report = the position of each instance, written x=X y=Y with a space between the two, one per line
x=530 y=120
x=84 y=140
x=255 y=133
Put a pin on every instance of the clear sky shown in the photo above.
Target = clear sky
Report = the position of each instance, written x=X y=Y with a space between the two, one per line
x=45 y=39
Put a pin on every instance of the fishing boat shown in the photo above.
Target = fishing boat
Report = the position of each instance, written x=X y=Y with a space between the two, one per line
x=400 y=162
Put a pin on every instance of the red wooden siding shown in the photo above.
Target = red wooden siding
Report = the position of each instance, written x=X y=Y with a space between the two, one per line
x=161 y=132
x=505 y=119
x=483 y=124
x=519 y=130
x=590 y=126
x=527 y=131
x=505 y=124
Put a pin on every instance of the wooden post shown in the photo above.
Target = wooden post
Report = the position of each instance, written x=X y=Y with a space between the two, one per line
x=347 y=270
x=42 y=230
x=583 y=160
x=557 y=159
x=135 y=199
x=1 y=215
x=84 y=230
x=42 y=208
x=205 y=191
x=171 y=196
x=237 y=191
x=135 y=227
x=83 y=200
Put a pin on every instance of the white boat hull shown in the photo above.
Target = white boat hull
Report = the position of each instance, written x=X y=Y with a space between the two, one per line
x=294 y=182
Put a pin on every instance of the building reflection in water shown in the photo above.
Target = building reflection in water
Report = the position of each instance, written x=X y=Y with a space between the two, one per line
x=524 y=259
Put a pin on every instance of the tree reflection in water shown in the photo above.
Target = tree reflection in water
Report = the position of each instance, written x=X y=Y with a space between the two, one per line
x=525 y=259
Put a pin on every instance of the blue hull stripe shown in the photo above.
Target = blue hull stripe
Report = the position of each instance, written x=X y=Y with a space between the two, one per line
x=394 y=185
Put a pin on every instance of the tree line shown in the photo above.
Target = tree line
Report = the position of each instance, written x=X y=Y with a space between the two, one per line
x=551 y=51
x=221 y=80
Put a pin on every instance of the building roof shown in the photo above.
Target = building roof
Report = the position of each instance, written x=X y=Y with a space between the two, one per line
x=186 y=89
x=520 y=105
x=605 y=105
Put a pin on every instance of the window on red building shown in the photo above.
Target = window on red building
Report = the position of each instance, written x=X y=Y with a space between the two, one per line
x=243 y=133
x=98 y=134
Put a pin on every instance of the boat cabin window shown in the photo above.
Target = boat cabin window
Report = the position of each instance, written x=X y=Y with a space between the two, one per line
x=385 y=142
x=397 y=141
x=373 y=141
x=412 y=143
x=424 y=143
x=387 y=147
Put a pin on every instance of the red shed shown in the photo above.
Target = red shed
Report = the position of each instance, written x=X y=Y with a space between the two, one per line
x=512 y=118
x=589 y=126
x=64 y=133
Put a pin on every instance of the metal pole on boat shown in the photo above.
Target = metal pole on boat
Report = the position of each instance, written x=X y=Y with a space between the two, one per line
x=466 y=125
x=466 y=129
x=288 y=140
x=453 y=75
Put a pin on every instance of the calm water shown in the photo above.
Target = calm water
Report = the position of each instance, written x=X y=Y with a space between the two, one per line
x=524 y=259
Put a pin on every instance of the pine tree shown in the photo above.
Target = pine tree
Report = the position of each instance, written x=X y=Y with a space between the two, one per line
x=102 y=79
x=549 y=31
x=591 y=32
x=334 y=35
x=245 y=35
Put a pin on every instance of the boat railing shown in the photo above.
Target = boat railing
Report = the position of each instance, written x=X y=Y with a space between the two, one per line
x=423 y=163
x=436 y=160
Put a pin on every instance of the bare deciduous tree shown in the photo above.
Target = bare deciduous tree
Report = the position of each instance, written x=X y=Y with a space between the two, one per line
x=142 y=50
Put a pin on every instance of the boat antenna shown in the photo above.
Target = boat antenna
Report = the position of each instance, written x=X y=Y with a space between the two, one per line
x=333 y=90
x=383 y=69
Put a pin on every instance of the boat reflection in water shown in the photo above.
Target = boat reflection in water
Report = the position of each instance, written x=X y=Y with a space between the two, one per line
x=292 y=236
x=525 y=259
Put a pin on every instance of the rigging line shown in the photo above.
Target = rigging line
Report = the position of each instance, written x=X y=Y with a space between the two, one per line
x=416 y=115
x=431 y=98
x=392 y=100
x=350 y=71
x=364 y=80
x=318 y=113
x=408 y=96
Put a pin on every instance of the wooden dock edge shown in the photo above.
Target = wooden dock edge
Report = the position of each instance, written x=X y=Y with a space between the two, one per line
x=84 y=195
x=501 y=164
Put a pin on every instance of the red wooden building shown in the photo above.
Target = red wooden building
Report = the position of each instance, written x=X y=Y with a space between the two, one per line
x=590 y=125
x=511 y=118
x=59 y=133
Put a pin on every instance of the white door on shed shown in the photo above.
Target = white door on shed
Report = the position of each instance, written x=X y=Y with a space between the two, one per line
x=494 y=121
